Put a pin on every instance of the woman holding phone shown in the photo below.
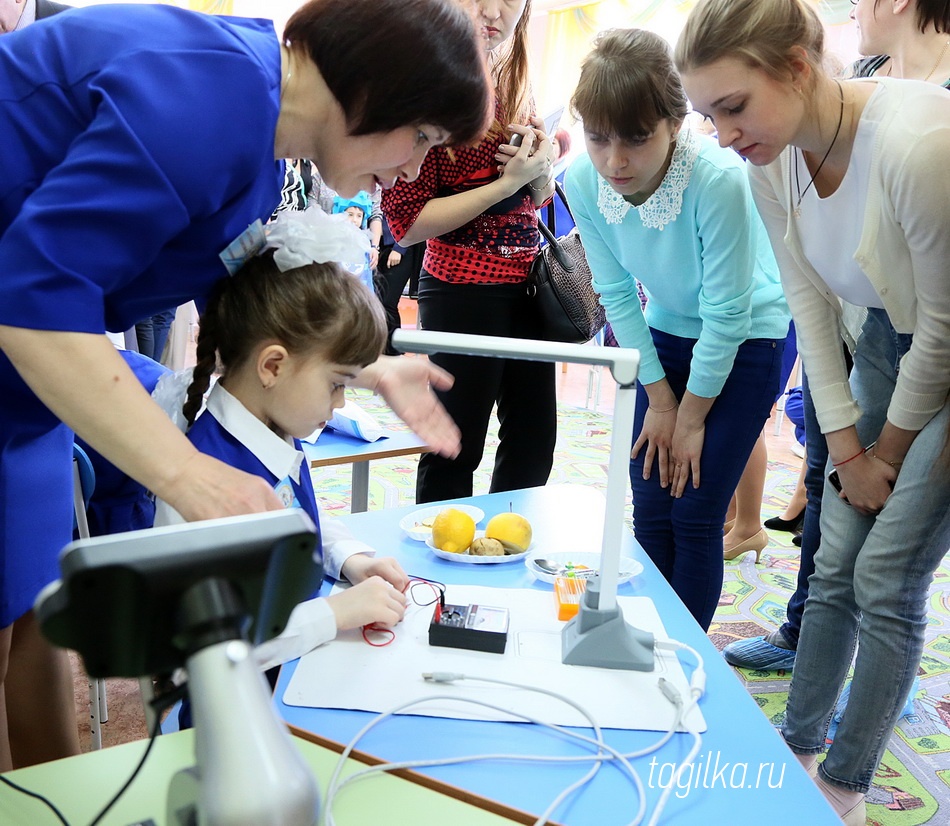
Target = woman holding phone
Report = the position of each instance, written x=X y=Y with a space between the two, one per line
x=843 y=173
x=475 y=209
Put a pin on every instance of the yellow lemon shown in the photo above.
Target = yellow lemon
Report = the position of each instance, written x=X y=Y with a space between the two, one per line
x=512 y=530
x=453 y=531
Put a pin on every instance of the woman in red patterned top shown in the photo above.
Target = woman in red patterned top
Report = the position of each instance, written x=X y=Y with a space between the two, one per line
x=475 y=209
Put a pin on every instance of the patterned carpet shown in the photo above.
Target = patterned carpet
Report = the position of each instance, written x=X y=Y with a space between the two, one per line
x=912 y=785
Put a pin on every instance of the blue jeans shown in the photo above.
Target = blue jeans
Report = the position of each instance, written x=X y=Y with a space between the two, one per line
x=152 y=333
x=683 y=536
x=870 y=586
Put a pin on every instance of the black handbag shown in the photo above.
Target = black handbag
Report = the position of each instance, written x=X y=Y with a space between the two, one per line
x=560 y=283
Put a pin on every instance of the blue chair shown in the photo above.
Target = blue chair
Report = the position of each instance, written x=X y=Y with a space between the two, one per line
x=84 y=483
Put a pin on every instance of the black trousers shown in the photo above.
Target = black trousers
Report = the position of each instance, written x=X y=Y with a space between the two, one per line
x=523 y=390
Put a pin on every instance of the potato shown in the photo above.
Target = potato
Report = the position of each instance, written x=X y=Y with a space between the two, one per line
x=487 y=547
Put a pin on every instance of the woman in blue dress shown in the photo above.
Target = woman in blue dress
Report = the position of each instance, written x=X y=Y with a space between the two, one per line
x=139 y=143
x=659 y=204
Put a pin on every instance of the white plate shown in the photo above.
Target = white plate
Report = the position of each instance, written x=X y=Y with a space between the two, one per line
x=412 y=523
x=629 y=568
x=468 y=559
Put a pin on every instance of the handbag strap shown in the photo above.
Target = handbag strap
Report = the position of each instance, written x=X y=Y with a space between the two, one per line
x=548 y=230
x=559 y=190
x=549 y=209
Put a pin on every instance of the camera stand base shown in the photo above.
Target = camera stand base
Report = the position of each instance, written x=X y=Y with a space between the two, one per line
x=603 y=639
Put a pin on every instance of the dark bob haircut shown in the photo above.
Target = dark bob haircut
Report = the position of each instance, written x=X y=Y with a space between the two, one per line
x=395 y=63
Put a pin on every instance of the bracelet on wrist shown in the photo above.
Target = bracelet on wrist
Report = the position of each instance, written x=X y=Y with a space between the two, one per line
x=894 y=465
x=547 y=183
x=663 y=410
x=861 y=452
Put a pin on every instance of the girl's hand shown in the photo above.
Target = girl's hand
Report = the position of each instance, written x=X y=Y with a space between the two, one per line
x=362 y=566
x=866 y=483
x=372 y=601
x=394 y=258
x=687 y=450
x=657 y=435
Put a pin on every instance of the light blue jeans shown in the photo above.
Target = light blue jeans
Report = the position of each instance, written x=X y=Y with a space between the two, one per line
x=870 y=586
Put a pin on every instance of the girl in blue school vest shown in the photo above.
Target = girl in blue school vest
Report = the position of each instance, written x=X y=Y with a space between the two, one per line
x=288 y=331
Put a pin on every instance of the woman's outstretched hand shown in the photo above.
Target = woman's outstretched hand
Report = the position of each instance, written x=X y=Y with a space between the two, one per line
x=407 y=385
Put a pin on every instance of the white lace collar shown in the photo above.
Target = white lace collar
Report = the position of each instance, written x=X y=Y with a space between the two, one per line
x=662 y=207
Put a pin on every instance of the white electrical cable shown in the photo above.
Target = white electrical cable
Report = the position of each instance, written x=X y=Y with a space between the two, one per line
x=697 y=687
x=335 y=786
x=605 y=753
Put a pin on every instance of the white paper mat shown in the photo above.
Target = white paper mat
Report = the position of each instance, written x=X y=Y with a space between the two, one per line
x=350 y=674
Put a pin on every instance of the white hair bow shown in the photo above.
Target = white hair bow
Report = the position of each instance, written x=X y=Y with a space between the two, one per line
x=313 y=237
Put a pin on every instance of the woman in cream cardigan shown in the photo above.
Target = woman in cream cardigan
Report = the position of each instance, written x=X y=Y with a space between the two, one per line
x=850 y=180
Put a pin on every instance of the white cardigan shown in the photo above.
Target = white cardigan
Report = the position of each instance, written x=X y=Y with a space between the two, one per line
x=904 y=251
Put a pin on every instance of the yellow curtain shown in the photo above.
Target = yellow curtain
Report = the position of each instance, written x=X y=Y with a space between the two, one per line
x=212 y=6
x=570 y=33
x=568 y=38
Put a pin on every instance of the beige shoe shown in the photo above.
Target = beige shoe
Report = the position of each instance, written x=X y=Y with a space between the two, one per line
x=756 y=542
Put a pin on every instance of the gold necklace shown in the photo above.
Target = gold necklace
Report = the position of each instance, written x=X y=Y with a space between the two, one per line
x=943 y=52
x=797 y=211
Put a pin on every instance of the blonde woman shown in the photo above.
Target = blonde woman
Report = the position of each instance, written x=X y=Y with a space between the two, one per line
x=844 y=176
x=907 y=40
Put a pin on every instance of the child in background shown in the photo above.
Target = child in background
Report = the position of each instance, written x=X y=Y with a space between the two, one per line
x=358 y=210
x=290 y=328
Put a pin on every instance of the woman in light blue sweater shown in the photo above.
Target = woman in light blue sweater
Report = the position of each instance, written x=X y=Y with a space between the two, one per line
x=657 y=203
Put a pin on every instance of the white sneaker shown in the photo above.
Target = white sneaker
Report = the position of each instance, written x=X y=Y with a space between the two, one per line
x=797 y=449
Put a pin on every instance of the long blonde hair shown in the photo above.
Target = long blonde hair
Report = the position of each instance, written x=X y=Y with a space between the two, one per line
x=763 y=33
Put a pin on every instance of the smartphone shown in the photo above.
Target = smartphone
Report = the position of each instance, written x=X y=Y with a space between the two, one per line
x=835 y=479
x=551 y=123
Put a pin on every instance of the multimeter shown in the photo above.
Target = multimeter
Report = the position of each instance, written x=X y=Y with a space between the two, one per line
x=475 y=627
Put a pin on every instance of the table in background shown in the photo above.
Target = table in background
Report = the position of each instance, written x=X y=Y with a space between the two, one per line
x=570 y=518
x=333 y=448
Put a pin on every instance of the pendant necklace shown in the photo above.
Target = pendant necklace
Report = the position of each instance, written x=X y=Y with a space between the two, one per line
x=939 y=60
x=797 y=212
